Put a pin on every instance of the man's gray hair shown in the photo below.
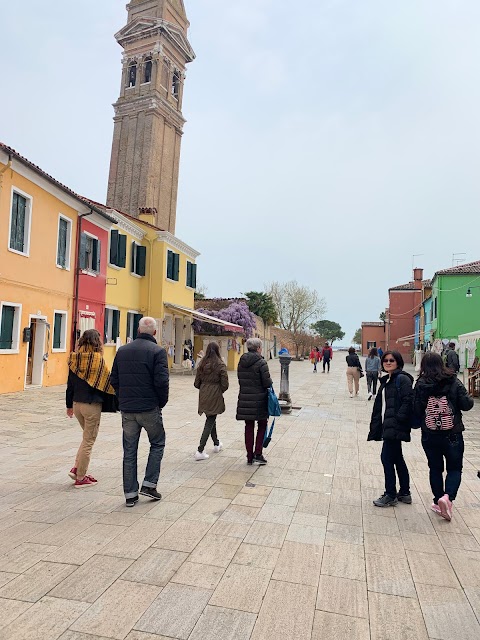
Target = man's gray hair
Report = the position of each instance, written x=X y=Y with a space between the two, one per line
x=147 y=325
x=253 y=344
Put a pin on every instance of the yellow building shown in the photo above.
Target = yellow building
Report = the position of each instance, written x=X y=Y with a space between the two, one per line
x=38 y=234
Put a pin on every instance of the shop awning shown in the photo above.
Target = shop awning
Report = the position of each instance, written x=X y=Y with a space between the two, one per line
x=203 y=317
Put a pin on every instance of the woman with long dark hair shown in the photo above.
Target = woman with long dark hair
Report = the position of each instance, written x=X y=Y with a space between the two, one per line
x=391 y=422
x=212 y=381
x=87 y=388
x=373 y=367
x=440 y=398
x=353 y=371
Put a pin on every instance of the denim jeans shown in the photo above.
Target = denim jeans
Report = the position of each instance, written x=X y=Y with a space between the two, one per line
x=132 y=424
x=440 y=446
x=210 y=429
x=392 y=459
x=372 y=379
x=326 y=363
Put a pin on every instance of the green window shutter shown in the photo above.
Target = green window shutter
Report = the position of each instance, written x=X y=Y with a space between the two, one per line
x=134 y=257
x=114 y=246
x=57 y=331
x=170 y=265
x=122 y=250
x=6 y=327
x=82 y=254
x=96 y=255
x=141 y=260
x=136 y=319
x=105 y=326
x=194 y=276
x=115 y=324
x=176 y=266
x=189 y=274
x=17 y=231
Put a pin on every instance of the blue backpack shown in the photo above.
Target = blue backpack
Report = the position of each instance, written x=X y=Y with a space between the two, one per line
x=274 y=411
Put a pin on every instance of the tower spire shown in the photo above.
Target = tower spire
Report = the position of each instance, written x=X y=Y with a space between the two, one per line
x=148 y=117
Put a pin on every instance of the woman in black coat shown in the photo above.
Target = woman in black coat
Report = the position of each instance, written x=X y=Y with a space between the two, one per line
x=440 y=398
x=254 y=380
x=391 y=422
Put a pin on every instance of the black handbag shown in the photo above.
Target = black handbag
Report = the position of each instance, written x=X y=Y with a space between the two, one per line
x=110 y=403
x=360 y=372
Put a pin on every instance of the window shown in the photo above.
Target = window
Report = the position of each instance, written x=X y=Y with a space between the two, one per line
x=148 y=70
x=370 y=345
x=112 y=325
x=63 y=242
x=59 y=331
x=173 y=265
x=118 y=248
x=89 y=258
x=132 y=75
x=176 y=83
x=191 y=275
x=435 y=308
x=139 y=257
x=10 y=316
x=133 y=318
x=20 y=224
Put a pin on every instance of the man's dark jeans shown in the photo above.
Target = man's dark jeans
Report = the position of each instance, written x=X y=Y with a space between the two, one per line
x=440 y=446
x=392 y=458
x=326 y=363
x=210 y=429
x=132 y=424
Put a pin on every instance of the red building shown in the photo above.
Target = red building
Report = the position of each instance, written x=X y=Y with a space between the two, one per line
x=91 y=272
x=404 y=303
x=373 y=335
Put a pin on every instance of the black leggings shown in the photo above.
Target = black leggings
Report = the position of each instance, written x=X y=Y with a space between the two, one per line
x=372 y=379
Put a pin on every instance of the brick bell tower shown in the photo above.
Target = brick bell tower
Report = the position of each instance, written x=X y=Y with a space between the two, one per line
x=148 y=114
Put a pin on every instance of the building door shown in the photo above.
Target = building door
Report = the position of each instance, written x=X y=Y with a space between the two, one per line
x=36 y=351
x=178 y=341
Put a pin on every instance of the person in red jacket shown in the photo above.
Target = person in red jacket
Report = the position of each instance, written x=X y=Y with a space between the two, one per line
x=315 y=358
x=327 y=355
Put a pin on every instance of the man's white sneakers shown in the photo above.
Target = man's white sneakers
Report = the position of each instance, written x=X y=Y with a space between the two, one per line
x=201 y=456
x=218 y=447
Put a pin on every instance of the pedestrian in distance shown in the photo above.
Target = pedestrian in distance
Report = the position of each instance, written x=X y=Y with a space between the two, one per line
x=354 y=368
x=452 y=361
x=315 y=357
x=254 y=380
x=380 y=352
x=140 y=378
x=391 y=422
x=373 y=367
x=327 y=355
x=88 y=384
x=440 y=398
x=212 y=381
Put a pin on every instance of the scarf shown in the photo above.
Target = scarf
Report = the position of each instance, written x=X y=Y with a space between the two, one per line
x=90 y=367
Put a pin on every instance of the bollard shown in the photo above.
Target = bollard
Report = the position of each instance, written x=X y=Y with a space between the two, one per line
x=284 y=397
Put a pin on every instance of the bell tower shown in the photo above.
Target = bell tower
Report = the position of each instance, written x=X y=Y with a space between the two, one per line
x=148 y=121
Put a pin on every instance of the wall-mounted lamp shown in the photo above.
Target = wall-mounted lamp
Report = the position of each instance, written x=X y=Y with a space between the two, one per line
x=469 y=293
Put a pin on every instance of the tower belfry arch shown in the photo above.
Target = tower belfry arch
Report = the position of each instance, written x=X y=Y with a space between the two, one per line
x=148 y=121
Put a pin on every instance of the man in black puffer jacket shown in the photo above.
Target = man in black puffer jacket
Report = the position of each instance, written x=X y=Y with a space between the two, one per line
x=140 y=379
x=391 y=422
x=254 y=379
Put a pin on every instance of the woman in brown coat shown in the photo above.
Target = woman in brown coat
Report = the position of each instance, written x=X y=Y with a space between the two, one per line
x=212 y=381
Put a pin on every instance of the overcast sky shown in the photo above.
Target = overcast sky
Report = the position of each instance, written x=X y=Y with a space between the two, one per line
x=327 y=140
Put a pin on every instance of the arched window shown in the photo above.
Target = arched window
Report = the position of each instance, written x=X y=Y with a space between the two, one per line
x=132 y=74
x=147 y=77
x=176 y=83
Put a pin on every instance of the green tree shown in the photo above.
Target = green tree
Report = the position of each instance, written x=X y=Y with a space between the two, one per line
x=357 y=338
x=329 y=330
x=383 y=316
x=296 y=305
x=261 y=304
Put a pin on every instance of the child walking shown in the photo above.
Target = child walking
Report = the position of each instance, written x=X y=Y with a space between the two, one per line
x=440 y=398
x=212 y=381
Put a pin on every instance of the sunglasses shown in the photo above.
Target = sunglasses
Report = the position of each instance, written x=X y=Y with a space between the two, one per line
x=387 y=360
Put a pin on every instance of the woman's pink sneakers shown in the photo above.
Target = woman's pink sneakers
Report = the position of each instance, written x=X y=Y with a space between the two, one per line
x=436 y=509
x=446 y=507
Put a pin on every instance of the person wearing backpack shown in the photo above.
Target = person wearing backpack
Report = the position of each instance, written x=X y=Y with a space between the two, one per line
x=254 y=380
x=452 y=361
x=391 y=422
x=440 y=398
x=212 y=381
x=327 y=355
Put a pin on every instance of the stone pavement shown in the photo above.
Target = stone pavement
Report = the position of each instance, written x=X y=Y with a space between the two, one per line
x=292 y=550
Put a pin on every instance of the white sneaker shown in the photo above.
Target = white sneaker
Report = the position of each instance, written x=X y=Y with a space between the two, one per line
x=201 y=456
x=218 y=447
x=351 y=395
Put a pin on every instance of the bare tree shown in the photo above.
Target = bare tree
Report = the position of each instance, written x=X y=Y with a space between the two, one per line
x=297 y=306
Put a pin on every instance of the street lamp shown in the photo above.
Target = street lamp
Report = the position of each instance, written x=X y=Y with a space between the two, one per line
x=469 y=293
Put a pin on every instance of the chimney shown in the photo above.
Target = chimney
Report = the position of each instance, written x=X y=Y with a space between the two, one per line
x=147 y=214
x=417 y=278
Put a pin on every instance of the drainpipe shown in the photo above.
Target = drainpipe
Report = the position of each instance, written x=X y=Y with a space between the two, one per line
x=77 y=278
x=4 y=170
x=149 y=311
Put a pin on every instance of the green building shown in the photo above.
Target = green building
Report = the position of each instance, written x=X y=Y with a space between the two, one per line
x=456 y=302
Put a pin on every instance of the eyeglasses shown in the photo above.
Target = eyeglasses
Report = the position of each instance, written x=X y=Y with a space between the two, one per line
x=386 y=360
